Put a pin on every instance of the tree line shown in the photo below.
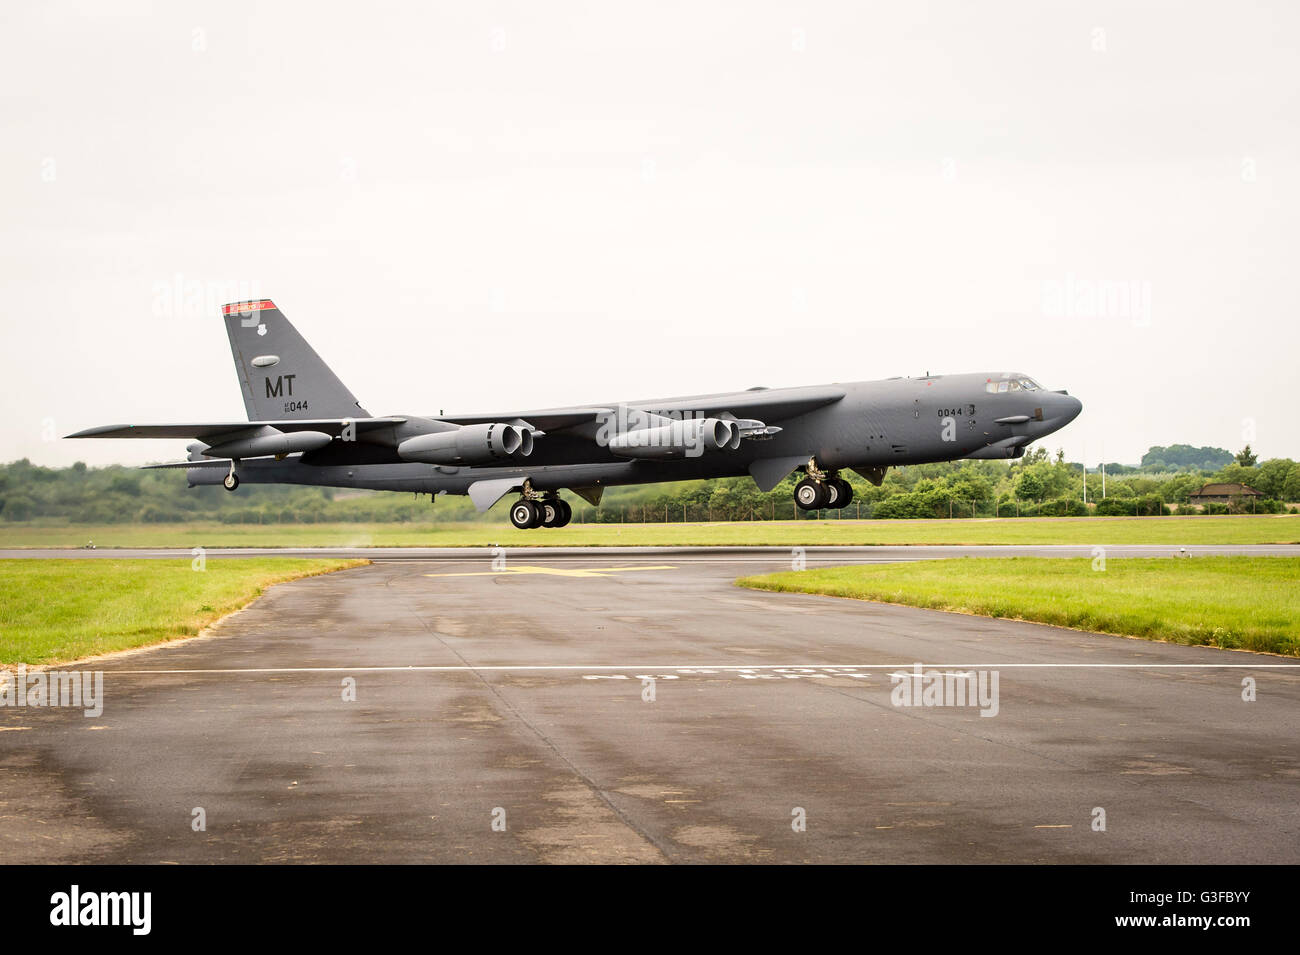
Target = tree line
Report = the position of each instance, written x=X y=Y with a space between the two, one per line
x=1037 y=484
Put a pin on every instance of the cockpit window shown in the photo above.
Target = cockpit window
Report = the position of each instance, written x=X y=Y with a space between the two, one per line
x=1004 y=385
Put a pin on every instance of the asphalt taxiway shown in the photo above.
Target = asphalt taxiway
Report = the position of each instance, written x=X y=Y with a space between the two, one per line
x=605 y=706
x=833 y=554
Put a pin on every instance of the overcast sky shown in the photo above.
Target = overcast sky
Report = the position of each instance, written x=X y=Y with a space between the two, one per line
x=482 y=206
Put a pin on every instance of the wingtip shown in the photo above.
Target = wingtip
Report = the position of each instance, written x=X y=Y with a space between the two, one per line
x=97 y=432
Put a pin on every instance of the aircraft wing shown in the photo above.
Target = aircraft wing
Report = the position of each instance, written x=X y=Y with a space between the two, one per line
x=549 y=419
x=762 y=403
x=331 y=426
x=769 y=404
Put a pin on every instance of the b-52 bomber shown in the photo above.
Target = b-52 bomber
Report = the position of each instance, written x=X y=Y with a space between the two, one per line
x=305 y=427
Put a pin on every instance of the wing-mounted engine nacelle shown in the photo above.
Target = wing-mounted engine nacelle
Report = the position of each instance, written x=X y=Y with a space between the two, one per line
x=677 y=439
x=469 y=444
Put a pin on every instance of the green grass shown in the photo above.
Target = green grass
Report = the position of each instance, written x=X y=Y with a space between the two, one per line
x=1248 y=603
x=1264 y=529
x=54 y=611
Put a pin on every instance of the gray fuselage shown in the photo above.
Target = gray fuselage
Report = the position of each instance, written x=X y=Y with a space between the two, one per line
x=876 y=424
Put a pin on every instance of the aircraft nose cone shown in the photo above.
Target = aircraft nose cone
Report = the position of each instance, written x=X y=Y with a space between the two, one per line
x=1070 y=407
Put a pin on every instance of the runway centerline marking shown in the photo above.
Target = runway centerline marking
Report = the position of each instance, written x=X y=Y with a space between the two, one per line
x=553 y=571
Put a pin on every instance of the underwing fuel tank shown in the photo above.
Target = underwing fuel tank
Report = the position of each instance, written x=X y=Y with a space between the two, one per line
x=469 y=444
x=203 y=476
x=266 y=444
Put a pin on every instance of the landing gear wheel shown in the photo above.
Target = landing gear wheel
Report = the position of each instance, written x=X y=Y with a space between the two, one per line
x=566 y=513
x=550 y=512
x=809 y=494
x=525 y=514
x=230 y=481
x=831 y=488
x=846 y=493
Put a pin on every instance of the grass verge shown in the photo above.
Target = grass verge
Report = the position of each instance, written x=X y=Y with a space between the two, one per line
x=55 y=611
x=1247 y=603
x=1178 y=531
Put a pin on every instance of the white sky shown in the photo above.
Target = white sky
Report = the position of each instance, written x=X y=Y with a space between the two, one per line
x=511 y=205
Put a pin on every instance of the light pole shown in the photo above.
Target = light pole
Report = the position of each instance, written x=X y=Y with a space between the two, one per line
x=1103 y=472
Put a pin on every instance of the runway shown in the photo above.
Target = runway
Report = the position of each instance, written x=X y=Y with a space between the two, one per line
x=604 y=706
x=835 y=554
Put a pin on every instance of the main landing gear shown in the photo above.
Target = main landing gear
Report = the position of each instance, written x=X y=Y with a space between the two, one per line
x=538 y=510
x=822 y=489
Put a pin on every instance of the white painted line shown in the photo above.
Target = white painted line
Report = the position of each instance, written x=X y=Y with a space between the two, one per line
x=724 y=666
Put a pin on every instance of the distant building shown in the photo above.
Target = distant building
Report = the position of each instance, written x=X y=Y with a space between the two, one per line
x=1224 y=493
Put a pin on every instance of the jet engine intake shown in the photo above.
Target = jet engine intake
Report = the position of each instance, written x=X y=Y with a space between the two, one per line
x=469 y=444
x=677 y=439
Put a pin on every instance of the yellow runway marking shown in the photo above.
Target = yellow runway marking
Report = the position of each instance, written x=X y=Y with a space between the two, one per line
x=556 y=571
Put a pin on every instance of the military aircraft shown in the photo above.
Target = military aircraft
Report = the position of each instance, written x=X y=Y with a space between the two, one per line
x=305 y=427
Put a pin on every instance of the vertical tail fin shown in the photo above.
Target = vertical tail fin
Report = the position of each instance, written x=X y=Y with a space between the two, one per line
x=281 y=375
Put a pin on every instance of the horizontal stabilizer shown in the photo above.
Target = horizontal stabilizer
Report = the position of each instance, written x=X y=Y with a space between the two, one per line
x=330 y=426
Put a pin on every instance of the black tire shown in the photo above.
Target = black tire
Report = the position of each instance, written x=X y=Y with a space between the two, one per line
x=833 y=493
x=810 y=495
x=550 y=512
x=846 y=493
x=524 y=514
x=566 y=513
x=230 y=481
